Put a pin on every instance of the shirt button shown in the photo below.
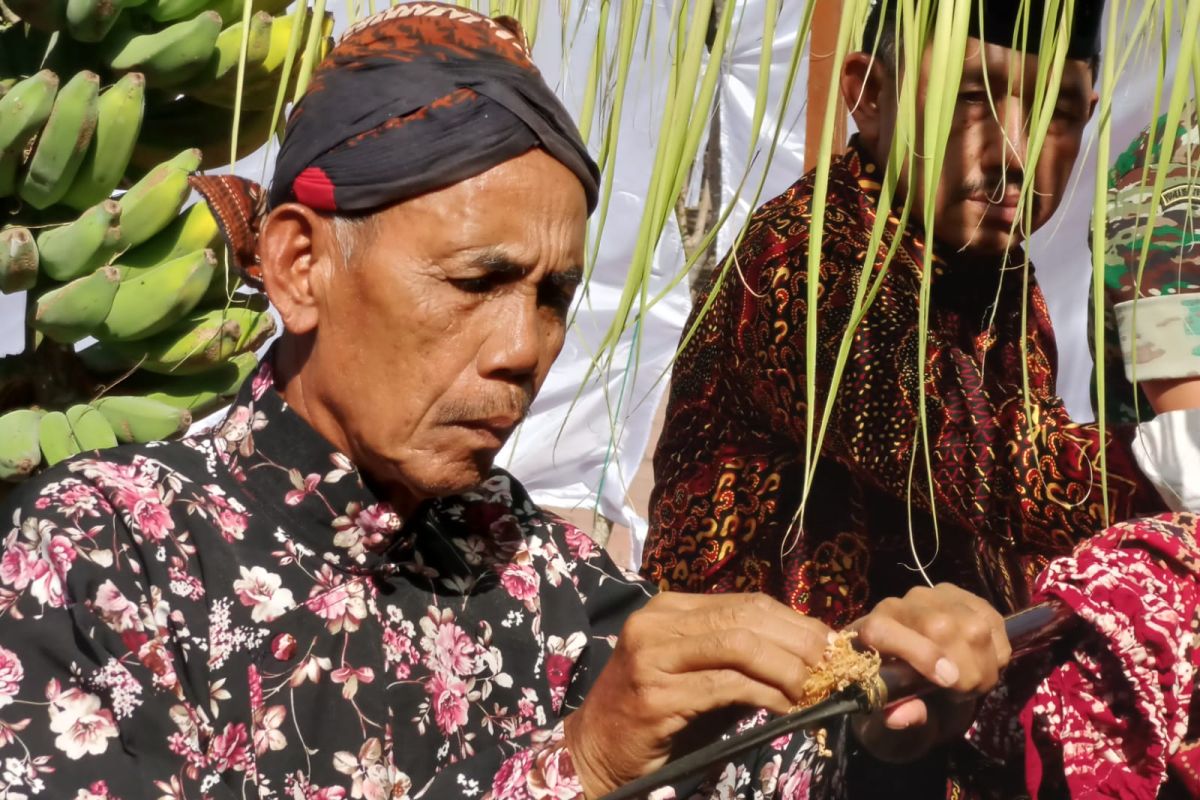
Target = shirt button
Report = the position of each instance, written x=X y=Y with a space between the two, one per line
x=283 y=647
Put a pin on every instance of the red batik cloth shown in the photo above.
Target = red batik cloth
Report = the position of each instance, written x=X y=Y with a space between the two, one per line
x=1109 y=716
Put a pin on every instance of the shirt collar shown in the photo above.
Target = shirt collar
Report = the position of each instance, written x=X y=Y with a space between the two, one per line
x=316 y=494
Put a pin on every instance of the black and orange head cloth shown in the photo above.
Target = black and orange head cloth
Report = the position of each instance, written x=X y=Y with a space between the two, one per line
x=414 y=99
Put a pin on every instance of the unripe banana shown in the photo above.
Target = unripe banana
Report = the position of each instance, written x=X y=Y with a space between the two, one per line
x=138 y=419
x=154 y=299
x=121 y=109
x=18 y=260
x=83 y=246
x=231 y=10
x=63 y=142
x=203 y=393
x=55 y=438
x=46 y=15
x=91 y=20
x=203 y=340
x=222 y=67
x=154 y=201
x=90 y=427
x=73 y=311
x=19 y=450
x=25 y=109
x=171 y=10
x=170 y=56
x=194 y=229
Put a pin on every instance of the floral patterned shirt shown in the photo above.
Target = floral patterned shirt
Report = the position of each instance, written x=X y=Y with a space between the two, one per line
x=236 y=615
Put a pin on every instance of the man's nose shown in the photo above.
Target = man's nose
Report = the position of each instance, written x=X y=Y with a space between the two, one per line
x=513 y=348
x=1009 y=140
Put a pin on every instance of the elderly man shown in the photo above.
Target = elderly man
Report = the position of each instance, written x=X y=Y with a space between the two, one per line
x=334 y=594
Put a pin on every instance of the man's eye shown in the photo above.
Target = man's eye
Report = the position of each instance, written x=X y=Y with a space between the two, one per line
x=557 y=297
x=973 y=98
x=475 y=285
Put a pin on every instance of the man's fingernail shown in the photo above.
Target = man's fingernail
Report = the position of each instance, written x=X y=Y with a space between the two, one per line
x=946 y=671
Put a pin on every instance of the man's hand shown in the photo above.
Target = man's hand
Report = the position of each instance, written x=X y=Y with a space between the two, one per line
x=679 y=657
x=954 y=639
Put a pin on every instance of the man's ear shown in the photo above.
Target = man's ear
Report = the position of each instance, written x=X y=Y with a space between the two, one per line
x=866 y=85
x=296 y=252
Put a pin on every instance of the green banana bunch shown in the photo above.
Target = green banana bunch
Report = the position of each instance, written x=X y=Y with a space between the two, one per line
x=74 y=310
x=152 y=300
x=200 y=342
x=55 y=438
x=25 y=108
x=90 y=428
x=263 y=77
x=91 y=20
x=20 y=453
x=82 y=246
x=120 y=112
x=204 y=392
x=194 y=229
x=152 y=203
x=167 y=57
x=63 y=142
x=140 y=419
x=18 y=260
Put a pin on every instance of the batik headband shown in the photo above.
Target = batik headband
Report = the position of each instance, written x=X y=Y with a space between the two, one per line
x=411 y=100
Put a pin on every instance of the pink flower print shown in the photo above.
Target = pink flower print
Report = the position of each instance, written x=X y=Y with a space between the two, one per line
x=449 y=696
x=157 y=658
x=235 y=433
x=230 y=749
x=117 y=610
x=83 y=727
x=558 y=670
x=149 y=515
x=553 y=776
x=263 y=380
x=304 y=487
x=341 y=604
x=796 y=783
x=11 y=673
x=17 y=566
x=78 y=499
x=579 y=543
x=512 y=779
x=453 y=651
x=371 y=778
x=262 y=592
x=62 y=554
x=362 y=529
x=349 y=678
x=521 y=582
x=96 y=791
x=267 y=733
x=309 y=669
x=45 y=585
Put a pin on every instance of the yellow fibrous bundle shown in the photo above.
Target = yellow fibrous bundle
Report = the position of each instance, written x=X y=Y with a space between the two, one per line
x=841 y=666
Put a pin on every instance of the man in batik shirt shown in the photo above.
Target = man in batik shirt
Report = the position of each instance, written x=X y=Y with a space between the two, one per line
x=334 y=594
x=1014 y=482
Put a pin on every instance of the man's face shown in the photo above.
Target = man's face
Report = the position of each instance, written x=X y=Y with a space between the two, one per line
x=432 y=344
x=984 y=164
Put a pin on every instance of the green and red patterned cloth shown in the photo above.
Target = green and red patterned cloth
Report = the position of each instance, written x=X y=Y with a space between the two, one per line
x=1165 y=333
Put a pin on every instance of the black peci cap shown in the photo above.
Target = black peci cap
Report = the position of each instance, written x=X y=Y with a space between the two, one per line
x=1001 y=22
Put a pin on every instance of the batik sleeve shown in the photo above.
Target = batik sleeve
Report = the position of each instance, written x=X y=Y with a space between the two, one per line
x=88 y=684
